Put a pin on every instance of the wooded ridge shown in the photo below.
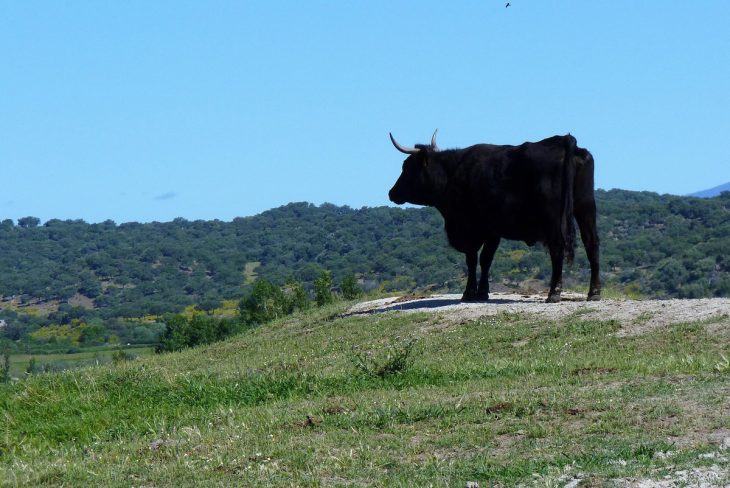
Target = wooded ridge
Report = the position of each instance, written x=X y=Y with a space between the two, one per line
x=651 y=245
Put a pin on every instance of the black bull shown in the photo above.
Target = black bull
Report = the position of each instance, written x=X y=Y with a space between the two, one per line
x=531 y=193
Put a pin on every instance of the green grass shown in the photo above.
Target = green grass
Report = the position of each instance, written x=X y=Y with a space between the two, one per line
x=503 y=400
x=19 y=362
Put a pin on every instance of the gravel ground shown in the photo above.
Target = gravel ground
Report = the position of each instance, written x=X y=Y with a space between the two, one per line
x=635 y=316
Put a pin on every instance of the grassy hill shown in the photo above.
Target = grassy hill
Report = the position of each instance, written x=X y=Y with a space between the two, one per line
x=325 y=399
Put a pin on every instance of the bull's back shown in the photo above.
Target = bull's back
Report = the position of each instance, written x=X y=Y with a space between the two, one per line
x=519 y=190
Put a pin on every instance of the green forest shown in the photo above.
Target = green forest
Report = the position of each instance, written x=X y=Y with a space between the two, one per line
x=101 y=280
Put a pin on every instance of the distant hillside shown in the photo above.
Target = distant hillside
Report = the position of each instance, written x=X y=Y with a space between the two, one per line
x=712 y=192
x=656 y=245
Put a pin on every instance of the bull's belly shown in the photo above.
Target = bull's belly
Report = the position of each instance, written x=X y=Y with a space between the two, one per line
x=520 y=226
x=471 y=242
x=465 y=244
x=529 y=238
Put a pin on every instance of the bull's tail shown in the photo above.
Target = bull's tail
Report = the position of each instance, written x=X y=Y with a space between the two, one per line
x=567 y=225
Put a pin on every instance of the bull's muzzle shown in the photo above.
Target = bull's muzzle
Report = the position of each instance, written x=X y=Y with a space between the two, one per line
x=395 y=198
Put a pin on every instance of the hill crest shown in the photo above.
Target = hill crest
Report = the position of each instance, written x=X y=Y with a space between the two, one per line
x=712 y=192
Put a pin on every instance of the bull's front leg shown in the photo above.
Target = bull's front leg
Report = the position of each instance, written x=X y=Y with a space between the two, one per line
x=556 y=279
x=470 y=294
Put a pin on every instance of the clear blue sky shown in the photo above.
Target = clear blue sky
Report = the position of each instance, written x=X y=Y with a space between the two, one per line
x=151 y=110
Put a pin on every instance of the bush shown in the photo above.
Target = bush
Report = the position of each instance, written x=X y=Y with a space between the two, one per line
x=32 y=367
x=296 y=297
x=265 y=303
x=268 y=302
x=182 y=332
x=350 y=288
x=323 y=289
x=394 y=359
x=120 y=356
x=5 y=367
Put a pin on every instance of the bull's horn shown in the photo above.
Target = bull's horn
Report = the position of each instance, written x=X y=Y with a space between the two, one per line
x=433 y=139
x=404 y=150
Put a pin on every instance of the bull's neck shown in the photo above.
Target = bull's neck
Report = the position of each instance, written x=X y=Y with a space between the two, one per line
x=441 y=169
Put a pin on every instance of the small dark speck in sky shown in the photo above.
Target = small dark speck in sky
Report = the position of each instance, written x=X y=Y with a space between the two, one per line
x=166 y=196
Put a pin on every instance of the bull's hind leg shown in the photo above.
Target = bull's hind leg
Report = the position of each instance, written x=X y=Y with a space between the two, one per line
x=470 y=294
x=556 y=279
x=585 y=215
x=485 y=262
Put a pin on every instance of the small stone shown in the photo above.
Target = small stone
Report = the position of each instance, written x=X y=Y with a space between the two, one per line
x=471 y=484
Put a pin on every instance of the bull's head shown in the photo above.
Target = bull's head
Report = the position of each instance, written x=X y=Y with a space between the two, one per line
x=414 y=184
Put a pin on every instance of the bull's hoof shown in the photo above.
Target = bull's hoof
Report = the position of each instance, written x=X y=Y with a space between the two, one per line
x=470 y=296
x=553 y=298
x=594 y=297
x=475 y=296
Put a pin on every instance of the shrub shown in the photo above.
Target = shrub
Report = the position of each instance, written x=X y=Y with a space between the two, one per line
x=182 y=332
x=323 y=289
x=5 y=367
x=265 y=303
x=395 y=358
x=350 y=288
x=32 y=367
x=296 y=297
x=120 y=356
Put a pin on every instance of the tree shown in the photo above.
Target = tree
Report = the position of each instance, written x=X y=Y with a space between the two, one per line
x=323 y=289
x=91 y=333
x=350 y=288
x=182 y=332
x=5 y=367
x=32 y=368
x=28 y=222
x=265 y=303
x=296 y=295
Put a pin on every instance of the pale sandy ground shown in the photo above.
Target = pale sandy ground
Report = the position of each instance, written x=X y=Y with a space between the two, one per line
x=634 y=316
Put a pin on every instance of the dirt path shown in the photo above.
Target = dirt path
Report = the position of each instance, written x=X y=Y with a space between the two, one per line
x=635 y=316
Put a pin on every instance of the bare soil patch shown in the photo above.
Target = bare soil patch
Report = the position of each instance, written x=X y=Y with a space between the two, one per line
x=79 y=300
x=634 y=316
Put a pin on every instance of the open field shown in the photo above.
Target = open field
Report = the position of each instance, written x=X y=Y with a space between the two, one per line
x=19 y=362
x=329 y=398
